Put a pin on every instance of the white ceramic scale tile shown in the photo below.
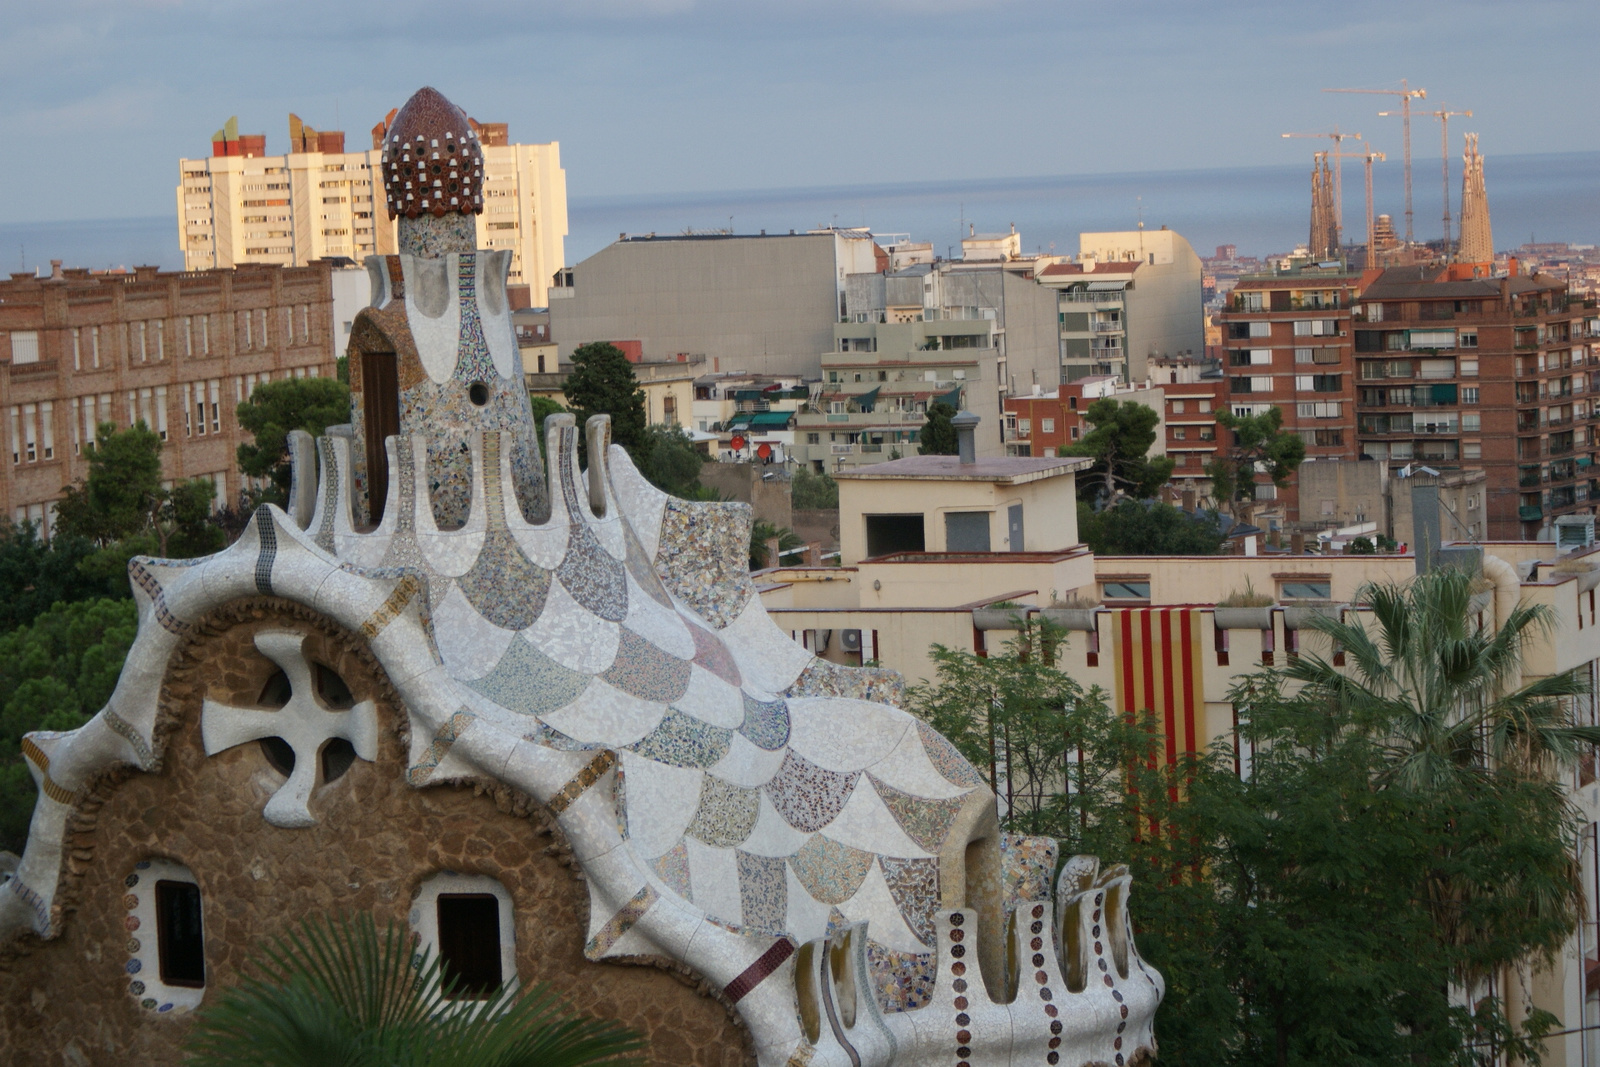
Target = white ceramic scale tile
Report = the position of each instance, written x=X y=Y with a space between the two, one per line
x=662 y=801
x=909 y=770
x=845 y=735
x=746 y=765
x=808 y=918
x=874 y=904
x=767 y=658
x=714 y=876
x=572 y=635
x=865 y=823
x=468 y=643
x=663 y=628
x=772 y=835
x=640 y=501
x=712 y=700
x=606 y=715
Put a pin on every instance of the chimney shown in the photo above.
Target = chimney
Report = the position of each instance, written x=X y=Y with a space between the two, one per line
x=1297 y=543
x=1188 y=499
x=966 y=424
x=55 y=270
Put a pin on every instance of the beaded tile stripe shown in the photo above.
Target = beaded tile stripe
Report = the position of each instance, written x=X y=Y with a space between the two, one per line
x=580 y=783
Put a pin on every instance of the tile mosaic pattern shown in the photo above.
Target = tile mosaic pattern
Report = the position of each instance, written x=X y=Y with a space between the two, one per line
x=766 y=723
x=914 y=884
x=903 y=981
x=432 y=161
x=1027 y=865
x=581 y=782
x=268 y=536
x=472 y=354
x=595 y=579
x=331 y=488
x=823 y=678
x=950 y=763
x=423 y=769
x=529 y=682
x=672 y=867
x=758 y=971
x=681 y=741
x=711 y=654
x=643 y=670
x=506 y=587
x=763 y=892
x=830 y=872
x=627 y=917
x=926 y=821
x=726 y=813
x=807 y=796
x=704 y=558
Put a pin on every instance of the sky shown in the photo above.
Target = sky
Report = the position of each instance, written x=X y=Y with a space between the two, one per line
x=658 y=97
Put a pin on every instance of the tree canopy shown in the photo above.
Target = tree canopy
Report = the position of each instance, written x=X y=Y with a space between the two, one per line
x=810 y=491
x=602 y=382
x=1257 y=443
x=938 y=436
x=120 y=495
x=671 y=462
x=1146 y=528
x=1333 y=883
x=273 y=410
x=1120 y=445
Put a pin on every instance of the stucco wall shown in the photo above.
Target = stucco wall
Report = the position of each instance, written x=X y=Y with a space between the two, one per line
x=66 y=1001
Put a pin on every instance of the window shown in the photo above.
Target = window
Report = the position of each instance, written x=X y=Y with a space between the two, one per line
x=1177 y=407
x=1208 y=433
x=1471 y=422
x=77 y=349
x=1469 y=394
x=166 y=928
x=813 y=438
x=1125 y=588
x=1319 y=409
x=47 y=428
x=966 y=531
x=1471 y=450
x=1261 y=329
x=29 y=434
x=1205 y=405
x=1303 y=355
x=1315 y=327
x=465 y=921
x=1469 y=368
x=1305 y=589
x=1468 y=339
x=1179 y=434
x=1025 y=427
x=24 y=347
x=1076 y=433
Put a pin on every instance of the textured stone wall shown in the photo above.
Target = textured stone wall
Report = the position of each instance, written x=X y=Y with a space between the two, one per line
x=66 y=1001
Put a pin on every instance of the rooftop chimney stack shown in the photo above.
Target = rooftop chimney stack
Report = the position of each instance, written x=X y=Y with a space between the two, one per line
x=966 y=424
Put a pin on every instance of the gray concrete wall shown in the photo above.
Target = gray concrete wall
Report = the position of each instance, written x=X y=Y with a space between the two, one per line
x=768 y=498
x=759 y=304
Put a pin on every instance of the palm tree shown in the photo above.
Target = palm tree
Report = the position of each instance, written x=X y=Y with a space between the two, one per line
x=342 y=994
x=1443 y=699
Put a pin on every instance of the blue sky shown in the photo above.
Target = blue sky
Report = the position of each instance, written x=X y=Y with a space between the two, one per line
x=672 y=96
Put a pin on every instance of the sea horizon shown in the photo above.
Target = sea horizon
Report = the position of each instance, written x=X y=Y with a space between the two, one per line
x=1262 y=210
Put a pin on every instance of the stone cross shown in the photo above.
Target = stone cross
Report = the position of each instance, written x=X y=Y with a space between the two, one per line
x=303 y=723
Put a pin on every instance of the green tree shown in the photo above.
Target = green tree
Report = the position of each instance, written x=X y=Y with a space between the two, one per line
x=34 y=575
x=762 y=531
x=1259 y=444
x=809 y=490
x=121 y=494
x=670 y=461
x=938 y=436
x=343 y=992
x=1120 y=444
x=602 y=382
x=275 y=409
x=54 y=674
x=543 y=407
x=1146 y=528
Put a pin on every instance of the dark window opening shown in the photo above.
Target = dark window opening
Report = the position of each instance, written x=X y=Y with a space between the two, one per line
x=278 y=754
x=380 y=407
x=179 y=934
x=337 y=756
x=478 y=393
x=331 y=688
x=277 y=691
x=894 y=533
x=469 y=944
x=966 y=531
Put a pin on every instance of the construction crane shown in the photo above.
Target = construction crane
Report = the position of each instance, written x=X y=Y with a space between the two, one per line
x=1444 y=116
x=1406 y=95
x=1337 y=153
x=1367 y=158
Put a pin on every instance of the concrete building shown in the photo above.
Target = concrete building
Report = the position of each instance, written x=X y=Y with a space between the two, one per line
x=667 y=384
x=1039 y=423
x=880 y=380
x=317 y=200
x=178 y=351
x=1128 y=298
x=759 y=303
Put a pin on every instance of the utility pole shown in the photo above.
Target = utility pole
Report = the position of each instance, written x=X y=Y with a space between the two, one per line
x=1406 y=95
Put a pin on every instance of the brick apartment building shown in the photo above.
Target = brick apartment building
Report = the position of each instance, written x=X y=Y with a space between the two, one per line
x=1039 y=423
x=1439 y=366
x=176 y=350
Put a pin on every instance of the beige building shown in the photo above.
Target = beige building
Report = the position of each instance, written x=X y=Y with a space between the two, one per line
x=177 y=351
x=315 y=201
x=668 y=387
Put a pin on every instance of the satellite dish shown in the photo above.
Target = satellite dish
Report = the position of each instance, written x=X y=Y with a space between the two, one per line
x=738 y=442
x=764 y=450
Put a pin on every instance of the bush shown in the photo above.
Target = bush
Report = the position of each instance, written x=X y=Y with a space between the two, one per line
x=810 y=491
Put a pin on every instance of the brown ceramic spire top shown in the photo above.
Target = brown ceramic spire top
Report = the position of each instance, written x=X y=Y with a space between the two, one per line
x=432 y=161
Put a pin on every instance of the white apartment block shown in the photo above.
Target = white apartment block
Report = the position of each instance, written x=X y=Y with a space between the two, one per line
x=317 y=201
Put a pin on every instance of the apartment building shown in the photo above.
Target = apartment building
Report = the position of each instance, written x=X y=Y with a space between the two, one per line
x=880 y=380
x=1456 y=370
x=761 y=303
x=1043 y=421
x=177 y=351
x=317 y=200
x=1130 y=297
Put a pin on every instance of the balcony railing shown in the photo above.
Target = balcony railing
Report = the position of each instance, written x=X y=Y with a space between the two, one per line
x=1108 y=327
x=1078 y=297
x=1530 y=512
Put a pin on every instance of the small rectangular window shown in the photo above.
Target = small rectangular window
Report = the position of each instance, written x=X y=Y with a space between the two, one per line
x=1126 y=590
x=24 y=347
x=180 y=935
x=1305 y=590
x=469 y=944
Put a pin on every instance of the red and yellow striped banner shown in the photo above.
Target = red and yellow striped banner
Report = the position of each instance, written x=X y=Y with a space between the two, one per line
x=1158 y=662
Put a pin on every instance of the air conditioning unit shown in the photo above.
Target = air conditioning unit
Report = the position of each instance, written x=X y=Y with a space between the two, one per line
x=821 y=640
x=850 y=640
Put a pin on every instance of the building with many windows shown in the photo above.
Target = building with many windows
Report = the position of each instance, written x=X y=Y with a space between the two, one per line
x=175 y=351
x=317 y=200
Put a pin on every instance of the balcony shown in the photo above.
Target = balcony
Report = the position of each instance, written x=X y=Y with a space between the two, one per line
x=1108 y=327
x=1530 y=478
x=1103 y=299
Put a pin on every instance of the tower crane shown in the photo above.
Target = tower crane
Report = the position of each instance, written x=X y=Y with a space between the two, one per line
x=1367 y=156
x=1406 y=95
x=1443 y=116
x=1338 y=154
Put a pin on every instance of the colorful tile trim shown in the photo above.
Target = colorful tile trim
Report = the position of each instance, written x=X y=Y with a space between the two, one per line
x=50 y=786
x=1026 y=867
x=903 y=981
x=801 y=1056
x=404 y=590
x=580 y=782
x=125 y=730
x=704 y=560
x=440 y=748
x=323 y=537
x=268 y=534
x=914 y=887
x=759 y=971
x=626 y=918
x=158 y=597
x=472 y=355
x=822 y=678
x=529 y=682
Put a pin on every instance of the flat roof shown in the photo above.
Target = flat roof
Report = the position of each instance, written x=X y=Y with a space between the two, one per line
x=1006 y=470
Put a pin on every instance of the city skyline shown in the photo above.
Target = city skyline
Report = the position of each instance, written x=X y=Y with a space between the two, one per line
x=664 y=97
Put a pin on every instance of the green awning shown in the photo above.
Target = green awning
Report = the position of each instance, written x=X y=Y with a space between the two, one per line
x=739 y=419
x=866 y=400
x=953 y=398
x=771 y=419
